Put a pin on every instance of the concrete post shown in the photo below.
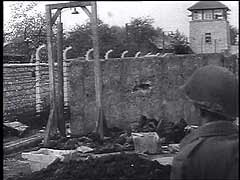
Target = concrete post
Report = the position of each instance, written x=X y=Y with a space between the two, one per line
x=148 y=54
x=123 y=54
x=107 y=53
x=38 y=76
x=88 y=53
x=137 y=54
x=65 y=52
x=65 y=75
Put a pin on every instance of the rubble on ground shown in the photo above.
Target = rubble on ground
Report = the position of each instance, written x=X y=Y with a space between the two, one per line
x=122 y=166
x=14 y=128
x=168 y=131
x=146 y=143
x=117 y=141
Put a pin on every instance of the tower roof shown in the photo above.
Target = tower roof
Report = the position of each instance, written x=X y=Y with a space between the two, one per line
x=208 y=5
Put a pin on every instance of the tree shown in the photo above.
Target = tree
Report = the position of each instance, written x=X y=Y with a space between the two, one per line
x=140 y=33
x=233 y=35
x=180 y=43
x=80 y=39
x=26 y=27
x=119 y=35
x=137 y=35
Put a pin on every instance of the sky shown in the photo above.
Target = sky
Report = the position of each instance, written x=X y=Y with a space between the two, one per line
x=169 y=15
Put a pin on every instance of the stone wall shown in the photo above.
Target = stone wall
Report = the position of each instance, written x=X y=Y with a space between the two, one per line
x=20 y=91
x=133 y=87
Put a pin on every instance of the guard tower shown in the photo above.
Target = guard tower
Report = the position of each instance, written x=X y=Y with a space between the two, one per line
x=209 y=27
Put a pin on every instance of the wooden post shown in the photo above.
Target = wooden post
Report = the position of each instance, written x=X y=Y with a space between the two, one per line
x=52 y=115
x=61 y=121
x=97 y=72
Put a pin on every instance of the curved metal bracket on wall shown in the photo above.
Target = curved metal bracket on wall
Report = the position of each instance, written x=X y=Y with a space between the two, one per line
x=88 y=53
x=123 y=54
x=65 y=52
x=107 y=53
x=137 y=54
x=148 y=54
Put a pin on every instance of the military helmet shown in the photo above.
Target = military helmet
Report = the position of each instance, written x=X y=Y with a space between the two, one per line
x=215 y=89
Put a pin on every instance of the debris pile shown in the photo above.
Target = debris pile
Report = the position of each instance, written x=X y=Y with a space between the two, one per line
x=121 y=166
x=167 y=131
x=147 y=125
x=116 y=141
x=14 y=129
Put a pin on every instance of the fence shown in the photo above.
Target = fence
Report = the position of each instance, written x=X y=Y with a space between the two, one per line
x=136 y=87
x=26 y=86
x=26 y=96
x=26 y=92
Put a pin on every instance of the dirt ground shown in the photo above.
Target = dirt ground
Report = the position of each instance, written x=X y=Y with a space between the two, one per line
x=123 y=166
x=14 y=165
x=116 y=167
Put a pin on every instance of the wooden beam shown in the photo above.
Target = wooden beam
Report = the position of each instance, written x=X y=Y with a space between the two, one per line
x=97 y=72
x=69 y=5
x=61 y=122
x=19 y=144
x=85 y=9
x=52 y=116
x=55 y=16
x=48 y=129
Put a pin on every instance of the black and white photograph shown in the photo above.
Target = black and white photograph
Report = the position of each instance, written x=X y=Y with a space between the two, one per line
x=120 y=90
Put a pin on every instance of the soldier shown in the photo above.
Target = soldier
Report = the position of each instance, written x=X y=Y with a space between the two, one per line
x=211 y=151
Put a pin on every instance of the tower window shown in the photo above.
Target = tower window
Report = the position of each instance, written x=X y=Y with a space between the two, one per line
x=197 y=15
x=207 y=14
x=208 y=38
x=218 y=14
